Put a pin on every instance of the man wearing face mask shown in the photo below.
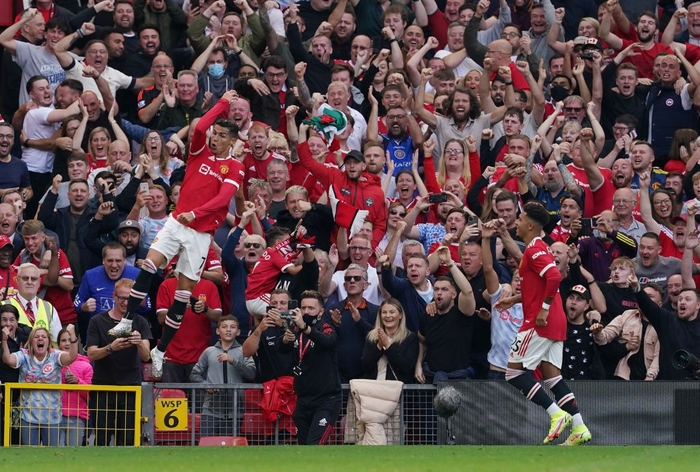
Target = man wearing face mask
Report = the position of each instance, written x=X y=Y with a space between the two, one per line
x=211 y=72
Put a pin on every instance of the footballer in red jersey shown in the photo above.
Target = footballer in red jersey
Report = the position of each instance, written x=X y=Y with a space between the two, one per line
x=540 y=341
x=212 y=178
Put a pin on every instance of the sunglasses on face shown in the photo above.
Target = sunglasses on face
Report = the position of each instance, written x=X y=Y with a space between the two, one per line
x=253 y=245
x=397 y=212
x=353 y=278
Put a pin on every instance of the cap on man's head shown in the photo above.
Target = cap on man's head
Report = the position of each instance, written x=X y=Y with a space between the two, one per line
x=580 y=40
x=581 y=290
x=593 y=43
x=5 y=241
x=357 y=155
x=679 y=219
x=130 y=224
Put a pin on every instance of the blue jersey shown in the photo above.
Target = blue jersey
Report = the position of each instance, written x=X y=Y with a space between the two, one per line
x=658 y=179
x=400 y=152
x=96 y=284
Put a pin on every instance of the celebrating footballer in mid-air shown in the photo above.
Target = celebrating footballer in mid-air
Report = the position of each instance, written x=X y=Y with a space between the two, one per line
x=211 y=179
x=540 y=341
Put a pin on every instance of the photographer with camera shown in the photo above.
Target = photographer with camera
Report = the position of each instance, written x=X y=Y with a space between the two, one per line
x=312 y=340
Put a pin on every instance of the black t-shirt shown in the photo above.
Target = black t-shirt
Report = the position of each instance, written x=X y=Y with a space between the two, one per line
x=579 y=358
x=121 y=367
x=312 y=18
x=448 y=339
x=618 y=300
x=271 y=363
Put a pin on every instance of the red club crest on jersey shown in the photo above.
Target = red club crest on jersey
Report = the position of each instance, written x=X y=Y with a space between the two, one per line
x=224 y=170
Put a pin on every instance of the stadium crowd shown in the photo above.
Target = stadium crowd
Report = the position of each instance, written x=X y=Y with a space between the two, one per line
x=388 y=149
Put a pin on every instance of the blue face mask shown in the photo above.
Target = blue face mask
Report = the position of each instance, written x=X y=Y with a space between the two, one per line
x=216 y=70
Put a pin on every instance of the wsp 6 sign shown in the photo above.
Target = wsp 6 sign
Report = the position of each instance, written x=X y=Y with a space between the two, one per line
x=171 y=414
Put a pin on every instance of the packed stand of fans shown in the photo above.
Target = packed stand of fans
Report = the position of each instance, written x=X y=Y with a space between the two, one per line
x=387 y=150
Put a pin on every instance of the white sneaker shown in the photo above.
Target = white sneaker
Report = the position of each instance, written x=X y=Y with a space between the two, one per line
x=158 y=357
x=121 y=329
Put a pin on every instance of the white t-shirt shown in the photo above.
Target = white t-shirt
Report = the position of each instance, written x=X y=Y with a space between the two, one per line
x=116 y=80
x=36 y=126
x=372 y=294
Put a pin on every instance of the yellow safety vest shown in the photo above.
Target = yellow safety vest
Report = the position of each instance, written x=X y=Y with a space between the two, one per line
x=42 y=319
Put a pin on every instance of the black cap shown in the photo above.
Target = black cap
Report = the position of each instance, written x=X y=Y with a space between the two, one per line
x=581 y=290
x=357 y=155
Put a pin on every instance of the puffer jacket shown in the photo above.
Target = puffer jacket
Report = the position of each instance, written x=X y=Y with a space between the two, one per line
x=374 y=411
x=630 y=321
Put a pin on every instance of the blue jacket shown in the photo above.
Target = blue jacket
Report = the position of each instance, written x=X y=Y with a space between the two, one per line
x=402 y=290
x=238 y=280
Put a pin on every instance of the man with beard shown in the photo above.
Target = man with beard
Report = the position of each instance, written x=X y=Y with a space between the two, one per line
x=625 y=202
x=558 y=184
x=241 y=115
x=676 y=330
x=257 y=157
x=124 y=20
x=463 y=116
x=95 y=293
x=139 y=64
x=455 y=224
x=150 y=99
x=270 y=96
x=114 y=41
x=343 y=34
x=648 y=49
x=673 y=290
x=445 y=337
x=167 y=16
x=403 y=135
x=581 y=360
x=14 y=174
x=353 y=186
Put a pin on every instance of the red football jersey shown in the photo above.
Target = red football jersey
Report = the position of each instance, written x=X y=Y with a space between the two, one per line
x=209 y=183
x=539 y=279
x=272 y=263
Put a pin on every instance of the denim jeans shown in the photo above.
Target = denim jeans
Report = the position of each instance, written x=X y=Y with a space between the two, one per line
x=35 y=435
x=72 y=431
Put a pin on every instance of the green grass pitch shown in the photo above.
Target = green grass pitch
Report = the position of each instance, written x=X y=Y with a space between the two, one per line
x=356 y=459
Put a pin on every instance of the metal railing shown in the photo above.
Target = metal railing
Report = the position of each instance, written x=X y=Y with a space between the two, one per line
x=108 y=414
x=233 y=410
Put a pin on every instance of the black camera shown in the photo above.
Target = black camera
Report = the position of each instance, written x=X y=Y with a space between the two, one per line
x=288 y=314
x=684 y=360
x=587 y=54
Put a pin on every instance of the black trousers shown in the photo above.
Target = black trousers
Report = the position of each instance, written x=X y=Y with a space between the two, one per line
x=315 y=423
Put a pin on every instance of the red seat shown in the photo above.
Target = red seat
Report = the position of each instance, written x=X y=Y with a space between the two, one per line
x=252 y=399
x=146 y=372
x=223 y=441
x=255 y=426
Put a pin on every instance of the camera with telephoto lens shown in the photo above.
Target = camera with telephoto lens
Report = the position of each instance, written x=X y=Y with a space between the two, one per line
x=684 y=360
x=587 y=54
x=288 y=314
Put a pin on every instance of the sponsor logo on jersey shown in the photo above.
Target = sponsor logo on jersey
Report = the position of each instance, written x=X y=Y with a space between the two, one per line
x=538 y=254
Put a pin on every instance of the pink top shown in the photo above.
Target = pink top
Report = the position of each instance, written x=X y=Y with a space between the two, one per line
x=74 y=403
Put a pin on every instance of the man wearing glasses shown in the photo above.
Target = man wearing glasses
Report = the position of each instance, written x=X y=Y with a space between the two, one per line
x=269 y=96
x=34 y=311
x=333 y=281
x=353 y=318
